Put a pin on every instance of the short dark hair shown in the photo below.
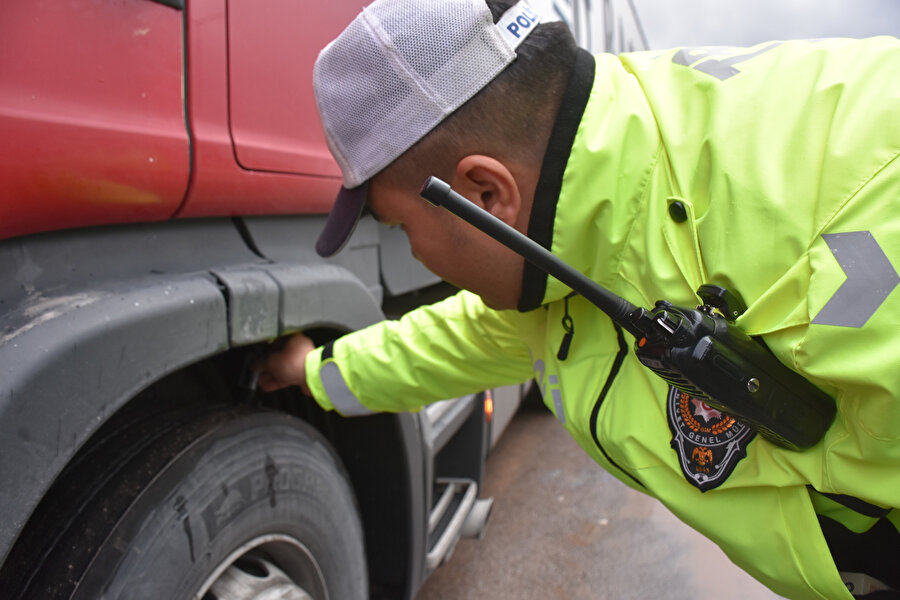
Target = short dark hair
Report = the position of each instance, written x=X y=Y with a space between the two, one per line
x=510 y=118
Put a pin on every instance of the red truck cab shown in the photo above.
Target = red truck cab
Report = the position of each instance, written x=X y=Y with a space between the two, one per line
x=136 y=112
x=163 y=177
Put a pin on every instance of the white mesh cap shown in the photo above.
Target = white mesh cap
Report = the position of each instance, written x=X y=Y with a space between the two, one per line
x=401 y=67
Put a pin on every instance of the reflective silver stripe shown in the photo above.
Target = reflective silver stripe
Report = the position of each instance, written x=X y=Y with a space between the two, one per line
x=552 y=385
x=720 y=68
x=724 y=68
x=557 y=402
x=870 y=279
x=340 y=395
x=557 y=398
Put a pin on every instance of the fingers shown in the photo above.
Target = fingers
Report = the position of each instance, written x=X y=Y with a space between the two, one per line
x=286 y=366
x=267 y=383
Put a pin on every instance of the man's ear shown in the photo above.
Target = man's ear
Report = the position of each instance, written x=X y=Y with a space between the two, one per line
x=488 y=183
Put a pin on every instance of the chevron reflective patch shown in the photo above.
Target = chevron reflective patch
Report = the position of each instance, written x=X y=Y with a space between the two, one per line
x=870 y=279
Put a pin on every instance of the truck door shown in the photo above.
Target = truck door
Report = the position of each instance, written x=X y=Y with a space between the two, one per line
x=274 y=126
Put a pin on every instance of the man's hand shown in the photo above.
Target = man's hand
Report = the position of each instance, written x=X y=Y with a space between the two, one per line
x=287 y=366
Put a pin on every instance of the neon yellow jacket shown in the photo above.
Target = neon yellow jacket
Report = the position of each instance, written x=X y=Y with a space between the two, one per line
x=760 y=170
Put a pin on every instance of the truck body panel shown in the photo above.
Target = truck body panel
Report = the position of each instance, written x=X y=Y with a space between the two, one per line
x=269 y=133
x=91 y=114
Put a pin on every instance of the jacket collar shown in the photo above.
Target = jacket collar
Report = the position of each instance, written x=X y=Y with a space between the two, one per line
x=546 y=195
x=593 y=185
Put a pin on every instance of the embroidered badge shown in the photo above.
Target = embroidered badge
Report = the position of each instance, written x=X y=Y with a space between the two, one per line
x=709 y=443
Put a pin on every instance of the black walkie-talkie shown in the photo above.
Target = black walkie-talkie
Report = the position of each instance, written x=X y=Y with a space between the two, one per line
x=696 y=350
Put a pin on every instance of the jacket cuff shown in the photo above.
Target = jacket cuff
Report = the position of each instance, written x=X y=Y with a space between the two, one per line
x=327 y=384
x=314 y=381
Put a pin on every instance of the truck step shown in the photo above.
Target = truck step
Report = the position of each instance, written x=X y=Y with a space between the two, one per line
x=456 y=513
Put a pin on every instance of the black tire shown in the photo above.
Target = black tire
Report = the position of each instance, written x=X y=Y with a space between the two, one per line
x=259 y=491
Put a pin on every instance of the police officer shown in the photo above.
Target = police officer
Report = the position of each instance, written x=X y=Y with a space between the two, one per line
x=772 y=171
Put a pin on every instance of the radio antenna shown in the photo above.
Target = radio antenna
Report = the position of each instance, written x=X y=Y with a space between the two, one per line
x=619 y=310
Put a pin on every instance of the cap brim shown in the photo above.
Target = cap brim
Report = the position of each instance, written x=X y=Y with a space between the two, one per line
x=342 y=220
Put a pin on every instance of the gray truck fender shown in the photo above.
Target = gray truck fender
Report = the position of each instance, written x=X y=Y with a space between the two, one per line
x=82 y=356
x=77 y=362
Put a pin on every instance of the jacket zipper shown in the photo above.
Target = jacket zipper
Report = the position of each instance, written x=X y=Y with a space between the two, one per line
x=595 y=413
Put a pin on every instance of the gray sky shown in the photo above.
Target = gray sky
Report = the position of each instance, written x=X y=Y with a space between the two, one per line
x=669 y=23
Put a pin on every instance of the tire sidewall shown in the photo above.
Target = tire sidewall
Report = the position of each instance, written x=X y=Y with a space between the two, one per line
x=256 y=474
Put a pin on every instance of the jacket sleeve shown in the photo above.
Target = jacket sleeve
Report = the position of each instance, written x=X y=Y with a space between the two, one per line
x=455 y=347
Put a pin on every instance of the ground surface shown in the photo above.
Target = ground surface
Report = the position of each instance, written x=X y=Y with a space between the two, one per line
x=562 y=528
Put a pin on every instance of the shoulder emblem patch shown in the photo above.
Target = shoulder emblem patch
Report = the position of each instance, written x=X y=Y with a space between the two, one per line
x=709 y=442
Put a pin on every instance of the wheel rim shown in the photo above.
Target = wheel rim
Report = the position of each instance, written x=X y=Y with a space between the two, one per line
x=269 y=566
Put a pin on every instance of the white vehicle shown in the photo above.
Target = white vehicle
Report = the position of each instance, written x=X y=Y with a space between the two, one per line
x=599 y=25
